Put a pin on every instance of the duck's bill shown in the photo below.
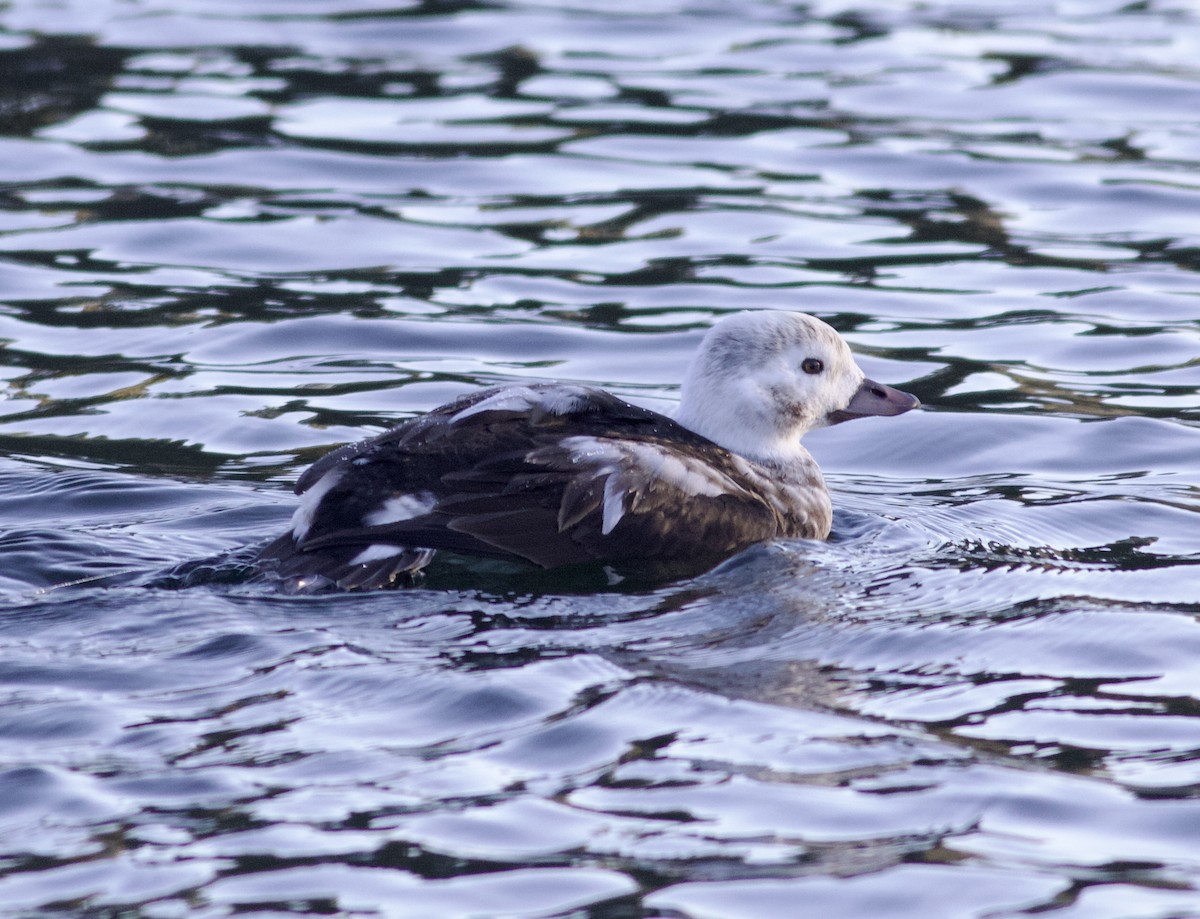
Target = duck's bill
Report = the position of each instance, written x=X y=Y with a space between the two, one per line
x=875 y=399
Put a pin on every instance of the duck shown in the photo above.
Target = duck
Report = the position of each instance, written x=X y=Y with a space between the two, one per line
x=557 y=474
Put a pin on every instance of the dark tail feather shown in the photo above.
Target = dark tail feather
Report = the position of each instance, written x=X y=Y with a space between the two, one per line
x=330 y=566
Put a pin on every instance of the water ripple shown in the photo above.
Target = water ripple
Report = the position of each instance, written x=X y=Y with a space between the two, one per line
x=233 y=235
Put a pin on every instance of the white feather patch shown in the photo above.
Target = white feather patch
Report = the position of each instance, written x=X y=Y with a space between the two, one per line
x=584 y=449
x=302 y=519
x=692 y=477
x=562 y=400
x=512 y=399
x=374 y=553
x=626 y=464
x=401 y=507
x=558 y=400
x=614 y=504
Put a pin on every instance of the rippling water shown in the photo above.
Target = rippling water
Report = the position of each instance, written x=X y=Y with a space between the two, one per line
x=235 y=234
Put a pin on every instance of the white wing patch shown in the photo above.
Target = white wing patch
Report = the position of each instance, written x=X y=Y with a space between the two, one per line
x=512 y=399
x=562 y=400
x=557 y=400
x=374 y=552
x=627 y=466
x=691 y=477
x=302 y=519
x=614 y=504
x=401 y=507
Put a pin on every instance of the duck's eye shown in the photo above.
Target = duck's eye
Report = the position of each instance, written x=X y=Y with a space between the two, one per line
x=812 y=365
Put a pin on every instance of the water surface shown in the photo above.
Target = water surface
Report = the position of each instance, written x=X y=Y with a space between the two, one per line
x=236 y=234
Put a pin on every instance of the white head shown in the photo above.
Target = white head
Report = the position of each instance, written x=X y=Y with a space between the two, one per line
x=763 y=379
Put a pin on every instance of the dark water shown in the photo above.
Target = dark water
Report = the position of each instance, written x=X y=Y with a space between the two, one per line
x=234 y=233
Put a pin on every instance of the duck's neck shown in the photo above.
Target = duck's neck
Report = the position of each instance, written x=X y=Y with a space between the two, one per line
x=745 y=434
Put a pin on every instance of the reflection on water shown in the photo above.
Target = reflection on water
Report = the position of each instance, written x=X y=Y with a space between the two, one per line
x=235 y=234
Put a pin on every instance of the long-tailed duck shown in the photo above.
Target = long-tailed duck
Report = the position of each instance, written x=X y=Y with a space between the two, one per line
x=556 y=474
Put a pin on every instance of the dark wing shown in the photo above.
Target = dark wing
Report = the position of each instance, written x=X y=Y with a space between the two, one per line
x=553 y=475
